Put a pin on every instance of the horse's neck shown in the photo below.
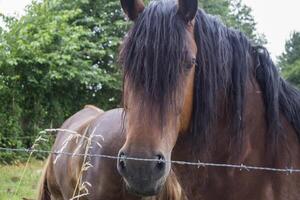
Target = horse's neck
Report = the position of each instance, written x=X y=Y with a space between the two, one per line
x=212 y=183
x=258 y=148
x=255 y=145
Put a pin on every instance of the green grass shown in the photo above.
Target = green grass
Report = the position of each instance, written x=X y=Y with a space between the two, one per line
x=10 y=176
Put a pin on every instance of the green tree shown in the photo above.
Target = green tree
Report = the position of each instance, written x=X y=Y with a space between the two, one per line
x=235 y=14
x=241 y=18
x=54 y=60
x=219 y=8
x=292 y=50
x=290 y=59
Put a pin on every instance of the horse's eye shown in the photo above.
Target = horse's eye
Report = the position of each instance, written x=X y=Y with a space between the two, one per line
x=190 y=63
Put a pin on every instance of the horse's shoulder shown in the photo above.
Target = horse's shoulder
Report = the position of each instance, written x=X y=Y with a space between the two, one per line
x=94 y=108
x=114 y=115
x=110 y=123
x=81 y=119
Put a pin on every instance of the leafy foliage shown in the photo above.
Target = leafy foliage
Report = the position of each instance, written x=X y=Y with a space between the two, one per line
x=242 y=19
x=290 y=59
x=235 y=14
x=53 y=61
x=292 y=50
x=62 y=55
x=292 y=73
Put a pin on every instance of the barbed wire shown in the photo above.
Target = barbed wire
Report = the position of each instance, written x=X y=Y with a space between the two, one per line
x=196 y=164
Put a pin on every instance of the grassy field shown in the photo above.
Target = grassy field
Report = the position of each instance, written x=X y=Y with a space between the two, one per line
x=10 y=176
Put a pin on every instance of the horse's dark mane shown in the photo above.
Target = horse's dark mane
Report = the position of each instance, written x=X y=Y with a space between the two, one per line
x=154 y=53
x=224 y=59
x=279 y=96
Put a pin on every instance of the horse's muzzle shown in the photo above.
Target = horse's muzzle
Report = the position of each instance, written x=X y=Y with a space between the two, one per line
x=143 y=177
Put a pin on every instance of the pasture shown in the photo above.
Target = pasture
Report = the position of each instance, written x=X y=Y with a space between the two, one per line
x=10 y=177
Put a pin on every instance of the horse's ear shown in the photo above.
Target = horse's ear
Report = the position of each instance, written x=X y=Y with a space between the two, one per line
x=187 y=9
x=132 y=8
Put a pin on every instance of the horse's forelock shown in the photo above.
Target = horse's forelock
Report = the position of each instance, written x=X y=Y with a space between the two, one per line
x=153 y=55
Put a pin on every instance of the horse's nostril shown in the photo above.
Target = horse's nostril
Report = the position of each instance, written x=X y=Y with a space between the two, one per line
x=161 y=162
x=122 y=159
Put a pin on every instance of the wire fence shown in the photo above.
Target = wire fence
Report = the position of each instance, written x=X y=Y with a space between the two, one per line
x=87 y=145
x=198 y=164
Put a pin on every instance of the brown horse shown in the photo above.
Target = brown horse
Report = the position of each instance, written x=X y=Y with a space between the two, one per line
x=197 y=90
x=63 y=177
